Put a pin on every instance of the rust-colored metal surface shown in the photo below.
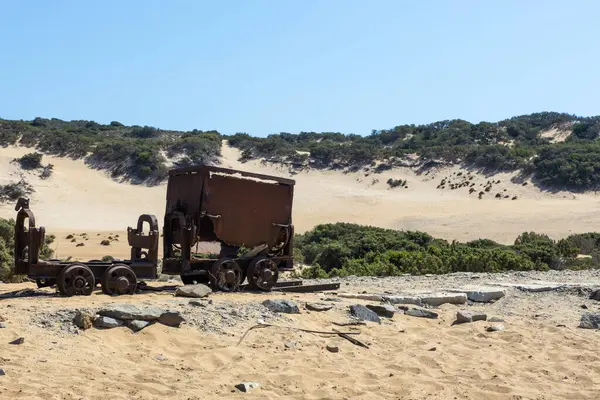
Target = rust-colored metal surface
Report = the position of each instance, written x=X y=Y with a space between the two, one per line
x=246 y=212
x=232 y=207
x=28 y=241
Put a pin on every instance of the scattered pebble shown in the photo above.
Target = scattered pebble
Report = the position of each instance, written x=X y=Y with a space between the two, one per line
x=495 y=328
x=20 y=340
x=247 y=386
x=318 y=307
x=333 y=349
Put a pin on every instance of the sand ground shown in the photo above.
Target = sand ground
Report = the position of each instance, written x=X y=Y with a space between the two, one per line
x=541 y=354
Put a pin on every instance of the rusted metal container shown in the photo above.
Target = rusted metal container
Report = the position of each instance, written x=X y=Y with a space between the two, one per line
x=249 y=214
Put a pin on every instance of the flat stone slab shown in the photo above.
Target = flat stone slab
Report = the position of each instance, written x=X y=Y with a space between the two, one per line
x=131 y=312
x=361 y=296
x=420 y=313
x=107 y=323
x=481 y=294
x=465 y=316
x=437 y=299
x=363 y=313
x=398 y=299
x=383 y=310
x=281 y=306
x=197 y=291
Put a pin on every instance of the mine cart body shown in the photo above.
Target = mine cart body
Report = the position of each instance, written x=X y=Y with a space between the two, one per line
x=249 y=215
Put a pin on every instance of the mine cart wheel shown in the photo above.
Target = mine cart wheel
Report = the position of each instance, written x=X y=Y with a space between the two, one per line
x=226 y=275
x=262 y=274
x=45 y=282
x=76 y=280
x=119 y=279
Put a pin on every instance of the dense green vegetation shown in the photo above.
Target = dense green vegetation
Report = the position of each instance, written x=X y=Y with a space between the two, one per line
x=511 y=144
x=7 y=243
x=518 y=143
x=135 y=152
x=344 y=249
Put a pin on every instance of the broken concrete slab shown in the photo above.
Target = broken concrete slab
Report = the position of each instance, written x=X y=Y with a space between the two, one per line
x=481 y=294
x=465 y=316
x=361 y=296
x=437 y=299
x=398 y=299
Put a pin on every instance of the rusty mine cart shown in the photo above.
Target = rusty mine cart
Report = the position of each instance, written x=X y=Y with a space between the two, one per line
x=249 y=215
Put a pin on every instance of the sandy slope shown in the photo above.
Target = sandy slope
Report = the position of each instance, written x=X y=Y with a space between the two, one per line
x=77 y=199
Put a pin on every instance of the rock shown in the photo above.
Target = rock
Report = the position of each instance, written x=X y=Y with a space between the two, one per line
x=595 y=295
x=160 y=357
x=200 y=303
x=103 y=322
x=333 y=349
x=131 y=312
x=363 y=313
x=137 y=325
x=495 y=328
x=397 y=299
x=20 y=340
x=197 y=291
x=383 y=310
x=496 y=319
x=334 y=299
x=418 y=312
x=171 y=318
x=281 y=306
x=2 y=325
x=537 y=287
x=361 y=296
x=247 y=386
x=83 y=319
x=590 y=320
x=318 y=306
x=437 y=299
x=2 y=373
x=482 y=294
x=464 y=316
x=290 y=345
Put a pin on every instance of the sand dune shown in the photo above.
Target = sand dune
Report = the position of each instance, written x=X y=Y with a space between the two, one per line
x=77 y=199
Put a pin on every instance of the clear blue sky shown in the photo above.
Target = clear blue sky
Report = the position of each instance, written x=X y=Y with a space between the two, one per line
x=262 y=67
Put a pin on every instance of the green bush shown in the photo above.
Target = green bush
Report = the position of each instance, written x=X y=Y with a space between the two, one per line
x=7 y=244
x=344 y=249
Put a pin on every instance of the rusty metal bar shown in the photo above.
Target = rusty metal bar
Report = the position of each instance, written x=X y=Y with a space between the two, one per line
x=309 y=288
